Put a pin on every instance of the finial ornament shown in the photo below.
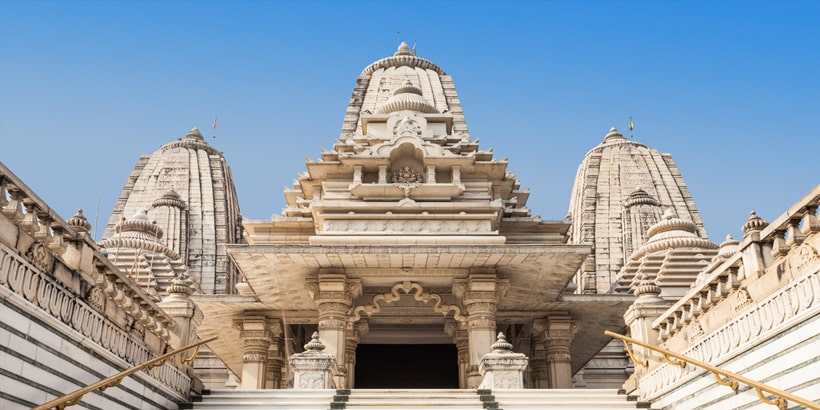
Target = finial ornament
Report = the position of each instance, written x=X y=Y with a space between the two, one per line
x=728 y=247
x=404 y=50
x=754 y=223
x=182 y=284
x=314 y=344
x=501 y=344
x=79 y=222
x=613 y=135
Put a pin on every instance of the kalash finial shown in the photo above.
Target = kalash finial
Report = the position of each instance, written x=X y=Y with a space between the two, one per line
x=404 y=50
x=314 y=344
x=79 y=222
x=501 y=344
x=613 y=134
x=194 y=133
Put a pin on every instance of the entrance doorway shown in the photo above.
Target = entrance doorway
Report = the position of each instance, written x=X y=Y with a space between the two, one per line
x=419 y=366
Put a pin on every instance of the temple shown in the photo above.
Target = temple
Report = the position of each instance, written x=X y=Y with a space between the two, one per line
x=405 y=258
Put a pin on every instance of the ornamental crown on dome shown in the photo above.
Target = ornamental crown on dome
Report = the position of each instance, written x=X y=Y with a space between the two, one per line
x=139 y=223
x=672 y=232
x=407 y=97
x=194 y=133
x=404 y=50
x=613 y=135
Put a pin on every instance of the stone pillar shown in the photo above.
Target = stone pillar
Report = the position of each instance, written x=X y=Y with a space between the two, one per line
x=257 y=336
x=647 y=307
x=459 y=335
x=502 y=368
x=334 y=295
x=558 y=333
x=311 y=368
x=273 y=365
x=480 y=301
x=354 y=333
x=538 y=363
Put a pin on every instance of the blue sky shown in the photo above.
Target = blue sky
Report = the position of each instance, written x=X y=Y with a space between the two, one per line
x=730 y=89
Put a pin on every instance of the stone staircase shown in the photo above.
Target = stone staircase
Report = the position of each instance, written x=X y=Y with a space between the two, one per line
x=416 y=399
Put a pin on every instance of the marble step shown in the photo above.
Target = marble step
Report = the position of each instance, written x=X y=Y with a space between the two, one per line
x=416 y=399
x=593 y=399
x=266 y=399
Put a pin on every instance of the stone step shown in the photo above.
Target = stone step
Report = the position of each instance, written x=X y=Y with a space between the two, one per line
x=416 y=399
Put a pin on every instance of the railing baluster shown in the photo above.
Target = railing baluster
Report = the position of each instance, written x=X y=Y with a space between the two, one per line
x=781 y=397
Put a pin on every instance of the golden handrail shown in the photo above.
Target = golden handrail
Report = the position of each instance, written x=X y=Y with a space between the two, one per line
x=781 y=397
x=74 y=398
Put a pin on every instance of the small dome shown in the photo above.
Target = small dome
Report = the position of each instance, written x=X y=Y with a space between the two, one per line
x=170 y=198
x=407 y=97
x=79 y=222
x=640 y=197
x=140 y=225
x=754 y=223
x=670 y=233
x=728 y=247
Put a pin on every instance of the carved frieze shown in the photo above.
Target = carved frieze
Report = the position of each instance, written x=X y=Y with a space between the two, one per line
x=26 y=280
x=384 y=226
x=419 y=295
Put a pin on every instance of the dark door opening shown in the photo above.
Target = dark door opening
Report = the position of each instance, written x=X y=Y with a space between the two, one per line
x=406 y=366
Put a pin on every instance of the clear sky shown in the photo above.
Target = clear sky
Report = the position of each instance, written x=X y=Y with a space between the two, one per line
x=730 y=89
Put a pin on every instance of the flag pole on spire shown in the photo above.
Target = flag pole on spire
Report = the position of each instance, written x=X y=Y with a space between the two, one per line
x=213 y=127
x=631 y=126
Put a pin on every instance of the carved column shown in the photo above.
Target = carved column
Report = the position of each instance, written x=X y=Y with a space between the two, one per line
x=334 y=295
x=459 y=335
x=354 y=333
x=480 y=301
x=256 y=333
x=274 y=362
x=538 y=363
x=558 y=333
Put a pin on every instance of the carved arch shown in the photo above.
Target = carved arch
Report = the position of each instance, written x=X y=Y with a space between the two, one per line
x=407 y=287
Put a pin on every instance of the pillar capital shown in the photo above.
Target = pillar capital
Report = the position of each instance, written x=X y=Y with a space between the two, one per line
x=257 y=333
x=558 y=331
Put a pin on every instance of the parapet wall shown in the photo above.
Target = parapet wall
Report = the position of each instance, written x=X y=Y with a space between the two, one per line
x=69 y=318
x=756 y=314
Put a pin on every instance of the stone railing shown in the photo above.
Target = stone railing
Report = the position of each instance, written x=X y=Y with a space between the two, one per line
x=727 y=279
x=771 y=282
x=56 y=266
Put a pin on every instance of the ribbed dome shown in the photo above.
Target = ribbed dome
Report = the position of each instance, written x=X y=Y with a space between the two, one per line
x=187 y=188
x=616 y=174
x=407 y=97
x=672 y=233
x=375 y=87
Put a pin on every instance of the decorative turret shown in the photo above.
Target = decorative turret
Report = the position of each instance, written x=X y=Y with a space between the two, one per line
x=622 y=178
x=136 y=249
x=673 y=256
x=187 y=187
x=754 y=224
x=79 y=222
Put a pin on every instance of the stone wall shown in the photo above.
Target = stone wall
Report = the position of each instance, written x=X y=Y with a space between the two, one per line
x=753 y=313
x=69 y=318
